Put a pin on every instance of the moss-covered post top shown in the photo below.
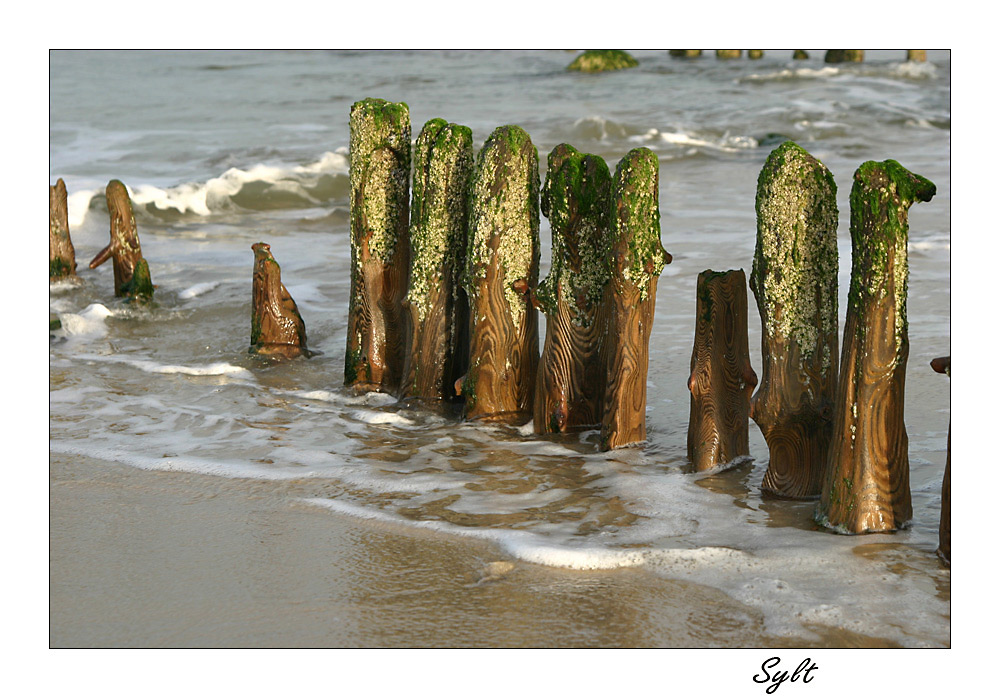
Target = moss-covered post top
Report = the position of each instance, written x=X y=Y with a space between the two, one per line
x=635 y=222
x=575 y=198
x=596 y=61
x=380 y=153
x=880 y=198
x=504 y=217
x=795 y=264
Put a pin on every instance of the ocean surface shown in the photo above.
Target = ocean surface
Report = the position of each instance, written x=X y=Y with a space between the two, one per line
x=220 y=150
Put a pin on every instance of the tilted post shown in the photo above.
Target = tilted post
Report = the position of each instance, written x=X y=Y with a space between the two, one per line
x=380 y=246
x=637 y=258
x=943 y=365
x=62 y=256
x=866 y=488
x=571 y=375
x=794 y=280
x=436 y=305
x=131 y=271
x=276 y=327
x=501 y=270
x=721 y=375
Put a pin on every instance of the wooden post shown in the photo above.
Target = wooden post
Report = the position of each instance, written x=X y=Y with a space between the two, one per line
x=842 y=55
x=501 y=269
x=571 y=376
x=800 y=55
x=943 y=365
x=867 y=483
x=132 y=278
x=436 y=305
x=62 y=256
x=794 y=280
x=637 y=258
x=721 y=376
x=380 y=246
x=917 y=55
x=728 y=53
x=596 y=61
x=755 y=54
x=685 y=53
x=276 y=328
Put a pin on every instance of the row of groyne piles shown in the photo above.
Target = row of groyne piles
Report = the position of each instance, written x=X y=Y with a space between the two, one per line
x=445 y=295
x=600 y=60
x=445 y=291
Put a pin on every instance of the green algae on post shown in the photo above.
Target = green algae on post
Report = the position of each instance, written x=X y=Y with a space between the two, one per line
x=276 y=327
x=436 y=305
x=800 y=55
x=501 y=268
x=841 y=55
x=575 y=198
x=124 y=250
x=866 y=488
x=794 y=280
x=637 y=258
x=596 y=61
x=62 y=256
x=380 y=247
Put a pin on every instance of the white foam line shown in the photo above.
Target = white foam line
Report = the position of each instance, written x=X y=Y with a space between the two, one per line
x=198 y=289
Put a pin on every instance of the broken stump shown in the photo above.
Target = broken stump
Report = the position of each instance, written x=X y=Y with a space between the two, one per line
x=866 y=488
x=380 y=247
x=276 y=327
x=436 y=305
x=842 y=55
x=794 y=279
x=636 y=259
x=600 y=60
x=501 y=270
x=131 y=271
x=722 y=378
x=62 y=256
x=569 y=390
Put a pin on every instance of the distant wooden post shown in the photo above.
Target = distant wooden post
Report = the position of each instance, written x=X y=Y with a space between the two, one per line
x=800 y=55
x=917 y=55
x=685 y=53
x=637 y=258
x=867 y=483
x=794 y=280
x=436 y=305
x=276 y=327
x=597 y=61
x=132 y=278
x=755 y=54
x=943 y=365
x=380 y=246
x=501 y=270
x=722 y=378
x=62 y=256
x=571 y=375
x=728 y=53
x=841 y=55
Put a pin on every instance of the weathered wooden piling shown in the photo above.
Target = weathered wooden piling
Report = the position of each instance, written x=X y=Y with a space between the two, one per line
x=943 y=365
x=722 y=378
x=62 y=256
x=636 y=259
x=436 y=305
x=501 y=270
x=728 y=53
x=596 y=61
x=380 y=247
x=132 y=279
x=571 y=375
x=867 y=483
x=276 y=327
x=917 y=55
x=685 y=53
x=794 y=280
x=841 y=55
x=755 y=54
x=800 y=55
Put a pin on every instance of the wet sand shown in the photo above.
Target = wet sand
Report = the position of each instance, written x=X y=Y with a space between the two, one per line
x=165 y=559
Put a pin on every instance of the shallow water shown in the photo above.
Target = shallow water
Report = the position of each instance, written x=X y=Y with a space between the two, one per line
x=222 y=149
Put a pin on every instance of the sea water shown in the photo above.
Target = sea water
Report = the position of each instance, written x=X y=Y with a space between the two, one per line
x=220 y=150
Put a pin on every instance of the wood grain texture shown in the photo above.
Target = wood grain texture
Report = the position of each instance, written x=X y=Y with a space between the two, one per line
x=866 y=487
x=276 y=327
x=569 y=390
x=637 y=258
x=124 y=250
x=380 y=189
x=794 y=280
x=436 y=305
x=943 y=365
x=722 y=378
x=62 y=256
x=501 y=270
